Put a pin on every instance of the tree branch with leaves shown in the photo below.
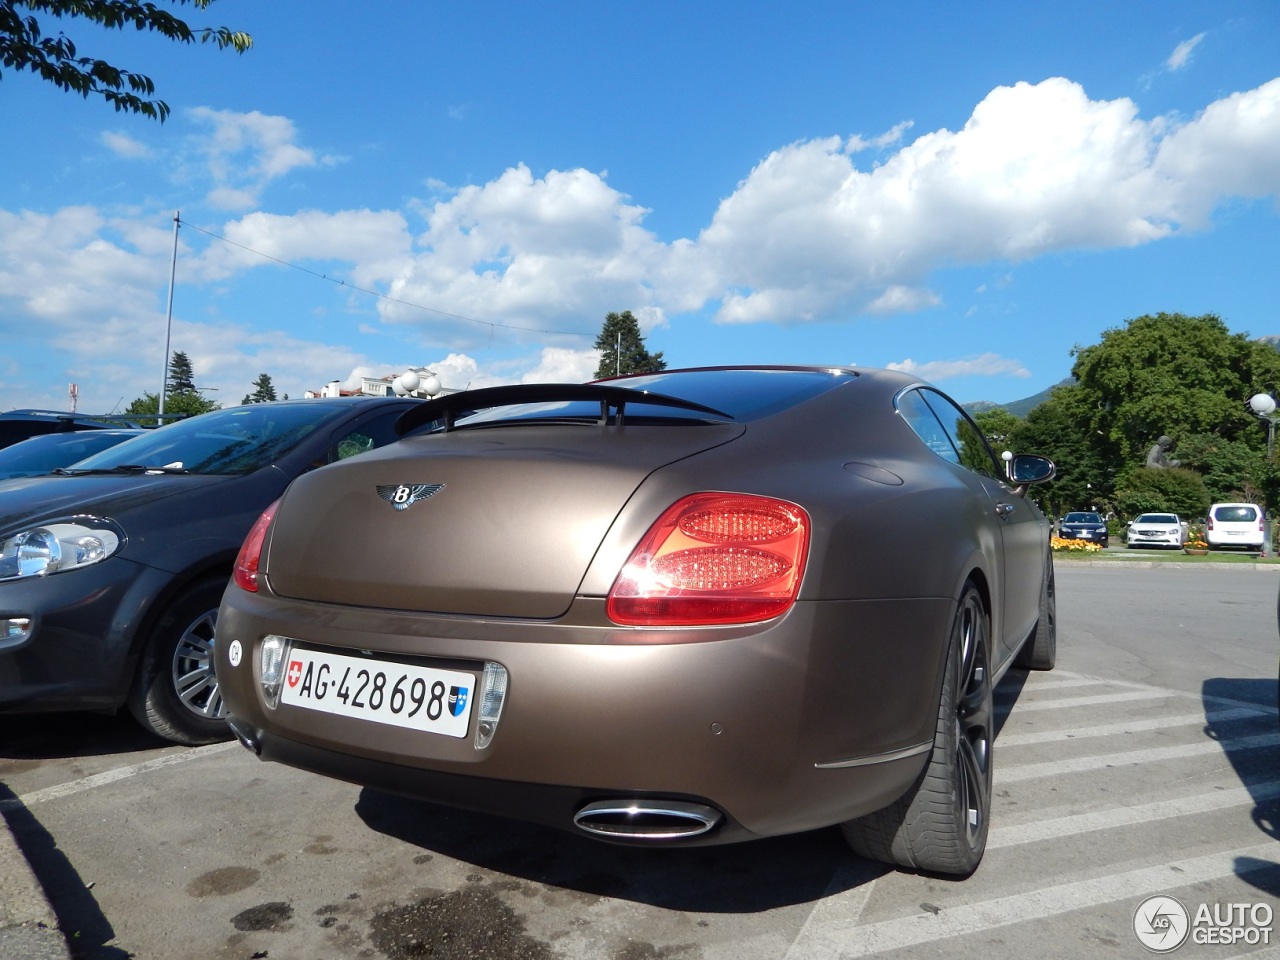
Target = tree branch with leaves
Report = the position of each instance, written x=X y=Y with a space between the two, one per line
x=26 y=45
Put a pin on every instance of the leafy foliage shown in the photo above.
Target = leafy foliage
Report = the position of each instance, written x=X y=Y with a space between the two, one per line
x=1161 y=374
x=24 y=45
x=1149 y=490
x=622 y=349
x=1172 y=374
x=190 y=404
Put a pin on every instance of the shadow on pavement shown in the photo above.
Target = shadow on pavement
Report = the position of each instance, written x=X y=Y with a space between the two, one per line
x=84 y=926
x=1252 y=745
x=43 y=736
x=735 y=878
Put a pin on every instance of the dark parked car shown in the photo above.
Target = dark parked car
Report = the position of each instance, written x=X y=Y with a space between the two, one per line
x=18 y=425
x=1083 y=526
x=50 y=451
x=111 y=574
x=693 y=606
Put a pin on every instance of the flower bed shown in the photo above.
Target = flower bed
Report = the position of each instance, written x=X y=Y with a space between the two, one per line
x=1074 y=546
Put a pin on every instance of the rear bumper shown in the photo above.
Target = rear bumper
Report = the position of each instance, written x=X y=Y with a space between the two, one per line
x=819 y=717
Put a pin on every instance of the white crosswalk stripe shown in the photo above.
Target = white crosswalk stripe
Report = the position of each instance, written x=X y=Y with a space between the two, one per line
x=1216 y=784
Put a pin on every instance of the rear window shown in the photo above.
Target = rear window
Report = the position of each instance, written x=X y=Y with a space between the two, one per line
x=1241 y=514
x=742 y=394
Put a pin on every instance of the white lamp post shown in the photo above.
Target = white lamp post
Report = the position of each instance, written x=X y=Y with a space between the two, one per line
x=1264 y=407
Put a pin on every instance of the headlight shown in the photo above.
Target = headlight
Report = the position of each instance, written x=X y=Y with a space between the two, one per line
x=59 y=546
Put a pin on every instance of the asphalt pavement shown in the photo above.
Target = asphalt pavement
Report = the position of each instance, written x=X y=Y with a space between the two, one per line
x=28 y=925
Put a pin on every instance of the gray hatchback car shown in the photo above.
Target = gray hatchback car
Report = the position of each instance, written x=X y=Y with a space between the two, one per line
x=687 y=607
x=111 y=572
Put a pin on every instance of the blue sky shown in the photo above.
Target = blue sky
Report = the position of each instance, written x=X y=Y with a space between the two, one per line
x=963 y=190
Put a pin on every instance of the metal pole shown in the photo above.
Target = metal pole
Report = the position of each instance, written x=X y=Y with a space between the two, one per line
x=168 y=317
x=1271 y=446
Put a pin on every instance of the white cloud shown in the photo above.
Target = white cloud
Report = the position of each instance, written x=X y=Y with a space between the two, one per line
x=123 y=145
x=375 y=242
x=806 y=236
x=900 y=299
x=857 y=143
x=552 y=254
x=246 y=151
x=1036 y=169
x=557 y=365
x=985 y=365
x=1181 y=55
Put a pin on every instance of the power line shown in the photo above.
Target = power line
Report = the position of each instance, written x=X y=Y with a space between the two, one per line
x=492 y=325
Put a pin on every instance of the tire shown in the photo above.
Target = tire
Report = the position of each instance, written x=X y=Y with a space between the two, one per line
x=175 y=692
x=940 y=824
x=1040 y=650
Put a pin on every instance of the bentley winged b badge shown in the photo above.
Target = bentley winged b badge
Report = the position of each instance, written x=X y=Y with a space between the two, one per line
x=404 y=495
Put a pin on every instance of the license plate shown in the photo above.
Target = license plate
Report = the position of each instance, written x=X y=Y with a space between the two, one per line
x=399 y=694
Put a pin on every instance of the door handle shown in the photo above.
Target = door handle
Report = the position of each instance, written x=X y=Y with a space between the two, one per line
x=1004 y=509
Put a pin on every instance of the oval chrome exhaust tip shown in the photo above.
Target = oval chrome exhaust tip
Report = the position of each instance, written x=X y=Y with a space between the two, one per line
x=647 y=819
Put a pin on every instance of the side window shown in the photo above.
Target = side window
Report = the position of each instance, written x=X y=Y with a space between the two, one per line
x=374 y=432
x=964 y=434
x=921 y=418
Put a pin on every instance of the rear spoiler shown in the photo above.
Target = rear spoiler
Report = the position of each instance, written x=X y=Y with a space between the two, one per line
x=451 y=406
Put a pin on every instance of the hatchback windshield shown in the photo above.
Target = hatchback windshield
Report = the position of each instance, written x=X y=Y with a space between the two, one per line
x=232 y=441
x=1157 y=518
x=1082 y=518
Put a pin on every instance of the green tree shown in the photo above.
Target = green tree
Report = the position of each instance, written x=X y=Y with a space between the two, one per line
x=181 y=395
x=186 y=404
x=26 y=45
x=997 y=425
x=1058 y=429
x=1172 y=374
x=263 y=390
x=1232 y=470
x=181 y=375
x=622 y=349
x=1175 y=490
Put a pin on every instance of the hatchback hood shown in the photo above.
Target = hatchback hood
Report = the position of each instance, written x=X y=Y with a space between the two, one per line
x=26 y=500
x=498 y=522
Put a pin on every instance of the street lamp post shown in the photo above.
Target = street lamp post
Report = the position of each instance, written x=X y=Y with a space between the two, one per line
x=1264 y=407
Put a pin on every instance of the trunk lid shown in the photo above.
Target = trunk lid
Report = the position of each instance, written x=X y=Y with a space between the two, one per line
x=509 y=532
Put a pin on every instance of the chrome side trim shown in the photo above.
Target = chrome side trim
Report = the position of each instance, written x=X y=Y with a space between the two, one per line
x=902 y=754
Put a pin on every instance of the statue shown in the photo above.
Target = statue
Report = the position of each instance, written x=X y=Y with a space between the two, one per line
x=1156 y=455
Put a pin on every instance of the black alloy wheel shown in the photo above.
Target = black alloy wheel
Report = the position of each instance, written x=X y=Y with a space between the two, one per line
x=940 y=825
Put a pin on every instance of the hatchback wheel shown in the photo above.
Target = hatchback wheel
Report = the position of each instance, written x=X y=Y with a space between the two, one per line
x=175 y=693
x=940 y=824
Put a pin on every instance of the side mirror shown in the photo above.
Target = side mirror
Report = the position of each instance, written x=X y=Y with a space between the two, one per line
x=1027 y=468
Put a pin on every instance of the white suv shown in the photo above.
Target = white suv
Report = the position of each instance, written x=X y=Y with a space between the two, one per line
x=1235 y=525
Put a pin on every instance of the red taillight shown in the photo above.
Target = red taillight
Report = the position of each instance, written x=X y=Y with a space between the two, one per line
x=246 y=569
x=714 y=558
